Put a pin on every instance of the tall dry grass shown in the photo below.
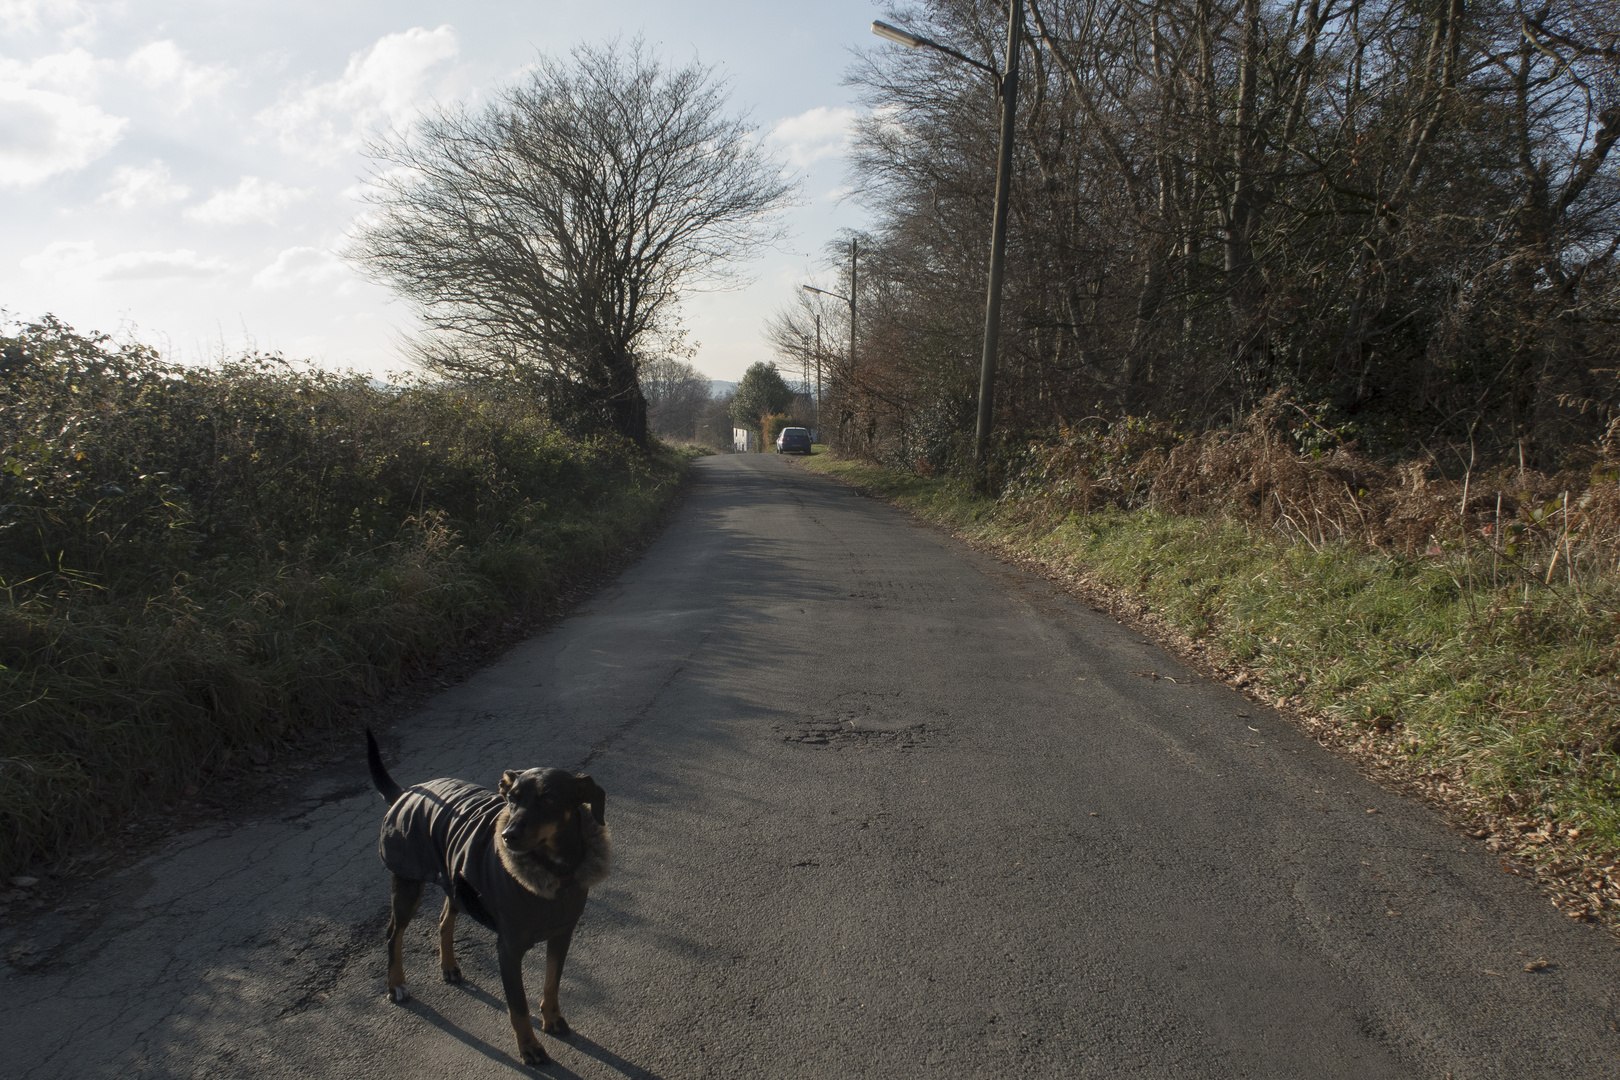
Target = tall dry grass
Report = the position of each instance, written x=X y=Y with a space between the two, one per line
x=1283 y=472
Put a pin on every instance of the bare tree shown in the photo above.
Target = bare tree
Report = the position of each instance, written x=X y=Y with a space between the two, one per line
x=547 y=238
x=1403 y=211
x=676 y=394
x=810 y=335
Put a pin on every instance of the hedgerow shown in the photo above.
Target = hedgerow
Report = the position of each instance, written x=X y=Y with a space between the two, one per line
x=198 y=562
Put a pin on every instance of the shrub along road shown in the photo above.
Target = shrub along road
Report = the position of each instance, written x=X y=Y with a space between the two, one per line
x=882 y=807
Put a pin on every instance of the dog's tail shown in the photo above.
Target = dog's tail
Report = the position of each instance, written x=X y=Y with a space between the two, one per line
x=379 y=776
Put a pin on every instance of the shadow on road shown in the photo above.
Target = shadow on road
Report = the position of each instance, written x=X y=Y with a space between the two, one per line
x=609 y=1058
x=575 y=1040
x=499 y=1057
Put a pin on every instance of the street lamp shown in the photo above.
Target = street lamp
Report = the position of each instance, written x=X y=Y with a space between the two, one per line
x=914 y=41
x=1007 y=88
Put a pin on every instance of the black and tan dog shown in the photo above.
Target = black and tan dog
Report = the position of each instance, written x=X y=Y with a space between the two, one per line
x=519 y=861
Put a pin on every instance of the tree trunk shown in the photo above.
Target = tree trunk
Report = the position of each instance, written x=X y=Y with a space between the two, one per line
x=627 y=406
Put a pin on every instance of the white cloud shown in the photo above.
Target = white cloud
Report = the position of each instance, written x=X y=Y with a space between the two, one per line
x=250 y=200
x=44 y=129
x=21 y=16
x=382 y=86
x=69 y=18
x=163 y=66
x=48 y=123
x=308 y=268
x=181 y=262
x=819 y=133
x=61 y=255
x=151 y=186
x=74 y=72
x=79 y=260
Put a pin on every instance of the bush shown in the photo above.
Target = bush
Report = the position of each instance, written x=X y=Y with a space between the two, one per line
x=197 y=562
x=773 y=427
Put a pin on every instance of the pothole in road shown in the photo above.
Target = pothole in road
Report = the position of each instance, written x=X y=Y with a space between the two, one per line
x=845 y=734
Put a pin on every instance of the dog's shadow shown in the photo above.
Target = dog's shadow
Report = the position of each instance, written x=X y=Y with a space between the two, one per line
x=495 y=1054
x=607 y=1057
x=629 y=1069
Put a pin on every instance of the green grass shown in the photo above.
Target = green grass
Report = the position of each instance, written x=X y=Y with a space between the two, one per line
x=198 y=564
x=1501 y=701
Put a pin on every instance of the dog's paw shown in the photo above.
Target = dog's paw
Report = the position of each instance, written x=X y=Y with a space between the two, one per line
x=555 y=1026
x=452 y=975
x=535 y=1055
x=398 y=994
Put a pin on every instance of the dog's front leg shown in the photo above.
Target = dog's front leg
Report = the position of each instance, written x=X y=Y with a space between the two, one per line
x=517 y=1003
x=551 y=1020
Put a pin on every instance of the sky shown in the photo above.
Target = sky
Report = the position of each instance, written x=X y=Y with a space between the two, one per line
x=185 y=172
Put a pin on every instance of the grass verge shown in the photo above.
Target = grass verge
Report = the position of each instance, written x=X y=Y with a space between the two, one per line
x=1496 y=703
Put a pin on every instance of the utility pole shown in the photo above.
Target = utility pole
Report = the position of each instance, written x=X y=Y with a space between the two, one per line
x=854 y=291
x=818 y=373
x=998 y=238
x=854 y=281
x=1007 y=89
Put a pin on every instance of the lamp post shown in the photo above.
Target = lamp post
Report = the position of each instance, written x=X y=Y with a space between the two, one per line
x=854 y=251
x=1007 y=89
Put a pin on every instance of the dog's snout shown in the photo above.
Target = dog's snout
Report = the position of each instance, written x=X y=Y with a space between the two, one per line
x=510 y=833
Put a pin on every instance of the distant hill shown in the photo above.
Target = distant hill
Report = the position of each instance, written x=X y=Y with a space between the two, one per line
x=720 y=388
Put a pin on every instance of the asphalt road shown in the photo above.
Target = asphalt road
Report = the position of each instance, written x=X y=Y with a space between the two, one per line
x=882 y=808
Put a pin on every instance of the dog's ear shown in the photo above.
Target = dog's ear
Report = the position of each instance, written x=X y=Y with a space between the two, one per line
x=508 y=778
x=591 y=792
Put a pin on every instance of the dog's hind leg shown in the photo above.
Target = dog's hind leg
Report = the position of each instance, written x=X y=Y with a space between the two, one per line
x=447 y=944
x=404 y=896
x=551 y=1020
x=517 y=1003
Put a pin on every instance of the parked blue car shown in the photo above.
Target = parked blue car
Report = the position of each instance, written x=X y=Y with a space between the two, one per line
x=793 y=440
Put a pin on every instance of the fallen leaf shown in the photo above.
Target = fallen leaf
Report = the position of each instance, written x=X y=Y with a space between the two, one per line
x=1374 y=810
x=1537 y=965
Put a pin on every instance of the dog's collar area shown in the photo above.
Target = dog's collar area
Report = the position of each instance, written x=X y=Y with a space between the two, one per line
x=552 y=868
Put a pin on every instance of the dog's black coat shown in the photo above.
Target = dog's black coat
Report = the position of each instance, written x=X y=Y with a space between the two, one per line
x=443 y=831
x=461 y=837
